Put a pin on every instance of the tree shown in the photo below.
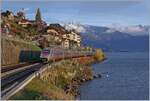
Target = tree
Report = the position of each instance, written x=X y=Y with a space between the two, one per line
x=99 y=55
x=38 y=15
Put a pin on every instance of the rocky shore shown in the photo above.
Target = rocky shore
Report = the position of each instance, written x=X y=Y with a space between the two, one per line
x=67 y=76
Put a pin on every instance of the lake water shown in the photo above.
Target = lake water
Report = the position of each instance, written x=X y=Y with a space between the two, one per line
x=125 y=76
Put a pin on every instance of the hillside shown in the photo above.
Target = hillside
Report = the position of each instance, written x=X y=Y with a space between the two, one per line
x=20 y=51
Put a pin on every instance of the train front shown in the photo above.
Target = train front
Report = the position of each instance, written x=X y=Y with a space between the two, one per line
x=45 y=55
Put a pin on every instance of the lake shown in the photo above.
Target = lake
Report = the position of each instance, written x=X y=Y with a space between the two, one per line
x=125 y=76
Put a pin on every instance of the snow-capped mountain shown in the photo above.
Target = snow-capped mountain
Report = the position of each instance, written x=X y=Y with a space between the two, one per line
x=121 y=38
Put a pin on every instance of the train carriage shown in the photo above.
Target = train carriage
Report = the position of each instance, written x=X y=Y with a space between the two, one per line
x=55 y=54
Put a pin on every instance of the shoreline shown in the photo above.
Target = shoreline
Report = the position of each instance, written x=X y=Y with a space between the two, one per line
x=95 y=76
x=89 y=89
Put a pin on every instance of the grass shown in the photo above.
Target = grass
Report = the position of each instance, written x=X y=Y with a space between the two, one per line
x=32 y=47
x=37 y=89
x=52 y=83
x=23 y=44
x=32 y=91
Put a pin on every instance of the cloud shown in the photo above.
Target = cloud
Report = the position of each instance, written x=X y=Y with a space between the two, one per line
x=132 y=29
x=26 y=9
x=110 y=30
x=135 y=30
x=76 y=27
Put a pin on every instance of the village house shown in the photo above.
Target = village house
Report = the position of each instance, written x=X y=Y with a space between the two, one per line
x=25 y=23
x=40 y=24
x=53 y=35
x=65 y=43
x=20 y=15
x=56 y=33
x=5 y=30
x=67 y=39
x=78 y=40
x=75 y=39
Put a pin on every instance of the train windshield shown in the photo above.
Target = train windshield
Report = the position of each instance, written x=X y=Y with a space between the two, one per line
x=46 y=51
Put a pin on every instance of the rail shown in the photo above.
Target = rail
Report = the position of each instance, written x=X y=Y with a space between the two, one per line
x=14 y=70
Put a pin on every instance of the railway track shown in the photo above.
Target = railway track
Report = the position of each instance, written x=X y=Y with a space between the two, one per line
x=12 y=81
x=11 y=67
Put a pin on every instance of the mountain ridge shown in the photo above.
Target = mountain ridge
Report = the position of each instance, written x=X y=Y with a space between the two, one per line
x=114 y=40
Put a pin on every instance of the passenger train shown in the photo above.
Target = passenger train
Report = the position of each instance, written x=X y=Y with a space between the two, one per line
x=55 y=54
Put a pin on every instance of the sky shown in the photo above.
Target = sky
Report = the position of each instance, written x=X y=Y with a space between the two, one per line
x=91 y=12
